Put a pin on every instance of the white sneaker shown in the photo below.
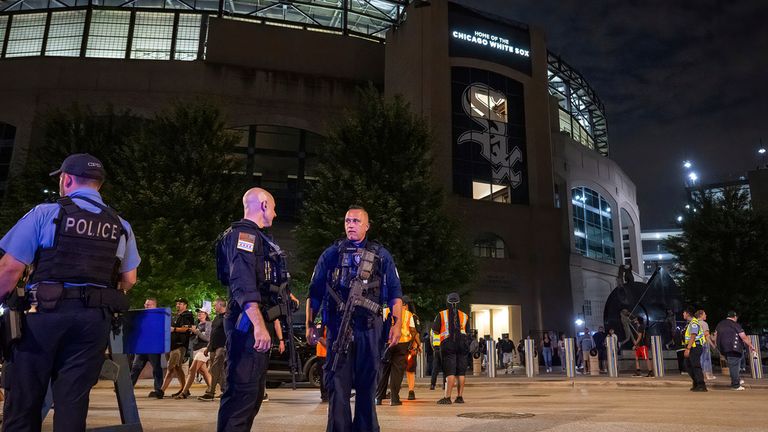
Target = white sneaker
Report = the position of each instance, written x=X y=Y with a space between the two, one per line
x=741 y=382
x=739 y=388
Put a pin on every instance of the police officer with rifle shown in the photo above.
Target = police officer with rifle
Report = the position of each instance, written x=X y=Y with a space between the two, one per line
x=352 y=279
x=253 y=268
x=84 y=258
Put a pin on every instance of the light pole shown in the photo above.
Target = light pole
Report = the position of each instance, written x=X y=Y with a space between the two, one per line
x=762 y=152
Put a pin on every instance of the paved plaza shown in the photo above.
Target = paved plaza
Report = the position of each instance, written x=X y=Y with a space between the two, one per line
x=504 y=404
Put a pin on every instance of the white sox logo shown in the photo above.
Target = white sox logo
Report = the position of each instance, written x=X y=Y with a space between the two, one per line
x=488 y=107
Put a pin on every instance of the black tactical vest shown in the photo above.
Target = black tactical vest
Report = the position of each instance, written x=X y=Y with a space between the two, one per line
x=84 y=248
x=272 y=263
x=349 y=259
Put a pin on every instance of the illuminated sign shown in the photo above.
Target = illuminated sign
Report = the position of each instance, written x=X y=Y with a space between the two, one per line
x=481 y=36
x=491 y=41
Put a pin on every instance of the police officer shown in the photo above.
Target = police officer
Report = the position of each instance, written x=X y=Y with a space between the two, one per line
x=694 y=341
x=335 y=269
x=82 y=253
x=248 y=262
x=451 y=325
x=437 y=359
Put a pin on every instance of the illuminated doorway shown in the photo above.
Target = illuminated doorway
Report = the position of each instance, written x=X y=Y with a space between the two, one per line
x=495 y=320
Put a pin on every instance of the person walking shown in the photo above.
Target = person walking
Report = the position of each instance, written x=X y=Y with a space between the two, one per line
x=694 y=341
x=153 y=359
x=706 y=352
x=216 y=350
x=451 y=325
x=731 y=340
x=546 y=352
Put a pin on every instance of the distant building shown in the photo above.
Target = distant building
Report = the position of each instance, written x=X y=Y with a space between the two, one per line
x=655 y=254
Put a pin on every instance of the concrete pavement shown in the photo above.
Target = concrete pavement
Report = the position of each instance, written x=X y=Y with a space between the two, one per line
x=505 y=404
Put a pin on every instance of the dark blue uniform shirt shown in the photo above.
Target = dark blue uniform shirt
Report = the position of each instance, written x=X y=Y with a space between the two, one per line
x=241 y=253
x=329 y=260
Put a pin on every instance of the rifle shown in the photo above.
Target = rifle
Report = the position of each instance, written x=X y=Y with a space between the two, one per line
x=357 y=290
x=285 y=307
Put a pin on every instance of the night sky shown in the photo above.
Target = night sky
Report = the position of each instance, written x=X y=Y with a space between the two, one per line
x=679 y=80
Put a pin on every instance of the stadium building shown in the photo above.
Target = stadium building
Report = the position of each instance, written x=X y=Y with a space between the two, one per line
x=521 y=137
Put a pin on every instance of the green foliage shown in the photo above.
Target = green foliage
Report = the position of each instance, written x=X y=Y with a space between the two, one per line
x=723 y=256
x=378 y=157
x=166 y=176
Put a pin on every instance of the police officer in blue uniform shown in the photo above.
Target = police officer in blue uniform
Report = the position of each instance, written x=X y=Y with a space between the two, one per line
x=82 y=253
x=335 y=269
x=248 y=262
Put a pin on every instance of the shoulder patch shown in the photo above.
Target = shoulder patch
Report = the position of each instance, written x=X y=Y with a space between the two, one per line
x=246 y=241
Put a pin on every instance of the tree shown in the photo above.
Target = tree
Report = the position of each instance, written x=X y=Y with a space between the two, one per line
x=723 y=256
x=378 y=157
x=168 y=175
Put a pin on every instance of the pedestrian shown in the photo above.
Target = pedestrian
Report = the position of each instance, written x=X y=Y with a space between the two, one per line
x=599 y=339
x=181 y=329
x=154 y=359
x=694 y=341
x=202 y=335
x=437 y=360
x=586 y=344
x=561 y=351
x=731 y=339
x=507 y=348
x=84 y=258
x=546 y=352
x=216 y=351
x=414 y=349
x=249 y=264
x=640 y=346
x=706 y=352
x=451 y=325
x=335 y=271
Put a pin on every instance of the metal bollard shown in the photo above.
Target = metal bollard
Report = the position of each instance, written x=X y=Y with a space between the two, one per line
x=612 y=355
x=756 y=361
x=657 y=356
x=490 y=346
x=530 y=357
x=421 y=365
x=570 y=358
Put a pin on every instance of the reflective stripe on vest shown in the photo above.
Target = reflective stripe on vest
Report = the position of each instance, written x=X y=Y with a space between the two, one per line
x=405 y=327
x=445 y=327
x=700 y=338
x=435 y=338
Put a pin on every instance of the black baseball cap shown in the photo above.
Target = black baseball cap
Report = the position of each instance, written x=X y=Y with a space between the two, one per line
x=453 y=298
x=82 y=165
x=732 y=314
x=182 y=300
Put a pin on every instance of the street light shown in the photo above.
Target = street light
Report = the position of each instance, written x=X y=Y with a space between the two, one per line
x=579 y=322
x=693 y=177
x=679 y=219
x=687 y=164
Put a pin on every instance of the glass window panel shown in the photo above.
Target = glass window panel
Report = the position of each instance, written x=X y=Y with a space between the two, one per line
x=65 y=36
x=592 y=225
x=3 y=27
x=187 y=37
x=108 y=37
x=26 y=36
x=152 y=36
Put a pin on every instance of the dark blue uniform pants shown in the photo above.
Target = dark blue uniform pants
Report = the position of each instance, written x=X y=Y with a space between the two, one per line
x=360 y=370
x=64 y=347
x=246 y=379
x=157 y=368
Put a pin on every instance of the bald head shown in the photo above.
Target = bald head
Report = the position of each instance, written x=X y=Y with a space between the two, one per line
x=259 y=207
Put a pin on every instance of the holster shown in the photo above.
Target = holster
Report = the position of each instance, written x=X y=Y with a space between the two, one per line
x=49 y=295
x=114 y=300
